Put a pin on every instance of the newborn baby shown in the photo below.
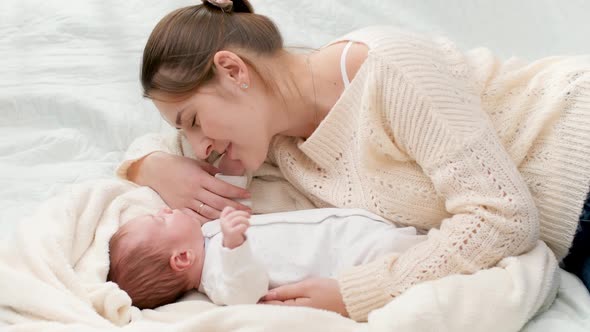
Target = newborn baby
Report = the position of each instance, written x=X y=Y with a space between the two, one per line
x=238 y=258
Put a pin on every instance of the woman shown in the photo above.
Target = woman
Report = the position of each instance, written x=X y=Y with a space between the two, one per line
x=482 y=154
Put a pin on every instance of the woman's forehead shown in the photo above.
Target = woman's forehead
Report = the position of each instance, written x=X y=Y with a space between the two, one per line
x=170 y=111
x=168 y=106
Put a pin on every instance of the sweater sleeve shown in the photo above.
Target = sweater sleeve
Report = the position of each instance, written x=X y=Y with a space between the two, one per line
x=431 y=116
x=146 y=145
x=240 y=278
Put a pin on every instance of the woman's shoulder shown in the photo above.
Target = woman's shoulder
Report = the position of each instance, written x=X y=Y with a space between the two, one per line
x=380 y=37
x=349 y=54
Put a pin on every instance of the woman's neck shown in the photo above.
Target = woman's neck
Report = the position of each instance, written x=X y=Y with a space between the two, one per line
x=299 y=81
x=314 y=84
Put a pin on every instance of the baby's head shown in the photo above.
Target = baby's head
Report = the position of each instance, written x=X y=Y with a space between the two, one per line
x=157 y=258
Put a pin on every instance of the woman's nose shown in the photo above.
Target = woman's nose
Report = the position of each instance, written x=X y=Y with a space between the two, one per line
x=201 y=144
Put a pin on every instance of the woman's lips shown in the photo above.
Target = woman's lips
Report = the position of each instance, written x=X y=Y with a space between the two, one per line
x=229 y=165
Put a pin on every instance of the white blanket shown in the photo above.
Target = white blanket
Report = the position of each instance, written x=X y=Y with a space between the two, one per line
x=70 y=104
x=55 y=266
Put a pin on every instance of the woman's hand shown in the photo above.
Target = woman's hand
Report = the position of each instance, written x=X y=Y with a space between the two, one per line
x=319 y=293
x=187 y=183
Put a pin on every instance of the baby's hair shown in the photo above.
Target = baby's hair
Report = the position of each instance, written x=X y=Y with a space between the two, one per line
x=144 y=272
x=178 y=56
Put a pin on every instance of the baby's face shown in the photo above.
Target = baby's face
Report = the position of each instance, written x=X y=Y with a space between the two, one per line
x=166 y=228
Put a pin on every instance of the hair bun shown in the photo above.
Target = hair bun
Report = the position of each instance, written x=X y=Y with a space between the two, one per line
x=228 y=6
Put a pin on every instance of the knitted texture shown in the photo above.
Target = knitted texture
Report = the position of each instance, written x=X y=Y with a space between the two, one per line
x=484 y=155
x=422 y=138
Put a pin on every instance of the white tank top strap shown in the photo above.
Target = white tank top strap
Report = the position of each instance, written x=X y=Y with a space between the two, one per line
x=345 y=79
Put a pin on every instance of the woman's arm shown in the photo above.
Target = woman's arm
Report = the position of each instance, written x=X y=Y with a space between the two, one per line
x=432 y=115
x=447 y=133
x=142 y=147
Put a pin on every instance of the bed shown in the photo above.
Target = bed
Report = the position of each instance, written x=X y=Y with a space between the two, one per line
x=71 y=102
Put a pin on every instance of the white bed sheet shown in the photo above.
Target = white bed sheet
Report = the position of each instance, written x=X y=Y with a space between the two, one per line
x=70 y=100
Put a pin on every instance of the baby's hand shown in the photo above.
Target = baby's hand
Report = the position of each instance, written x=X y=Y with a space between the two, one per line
x=234 y=224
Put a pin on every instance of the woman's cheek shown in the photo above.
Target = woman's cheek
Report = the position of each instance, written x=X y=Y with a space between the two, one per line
x=262 y=155
x=252 y=162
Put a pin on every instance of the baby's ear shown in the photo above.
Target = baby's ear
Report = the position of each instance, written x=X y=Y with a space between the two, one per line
x=181 y=260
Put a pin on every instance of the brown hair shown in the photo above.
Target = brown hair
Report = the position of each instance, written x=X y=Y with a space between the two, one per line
x=178 y=56
x=144 y=272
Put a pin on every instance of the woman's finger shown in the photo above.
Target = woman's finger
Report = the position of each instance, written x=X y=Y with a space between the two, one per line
x=224 y=189
x=209 y=212
x=218 y=202
x=195 y=215
x=286 y=292
x=205 y=211
x=271 y=302
x=298 y=302
x=212 y=170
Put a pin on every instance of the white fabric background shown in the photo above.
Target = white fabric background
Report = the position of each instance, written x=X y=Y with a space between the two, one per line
x=70 y=100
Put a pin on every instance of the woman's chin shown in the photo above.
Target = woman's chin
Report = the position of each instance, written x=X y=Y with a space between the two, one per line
x=252 y=161
x=252 y=165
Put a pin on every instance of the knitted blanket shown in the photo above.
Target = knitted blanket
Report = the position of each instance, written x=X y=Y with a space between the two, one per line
x=53 y=277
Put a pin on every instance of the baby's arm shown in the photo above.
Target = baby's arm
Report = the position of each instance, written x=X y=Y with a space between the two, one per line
x=242 y=280
x=234 y=225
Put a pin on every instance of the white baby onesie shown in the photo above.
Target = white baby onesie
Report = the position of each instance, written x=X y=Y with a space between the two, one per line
x=287 y=247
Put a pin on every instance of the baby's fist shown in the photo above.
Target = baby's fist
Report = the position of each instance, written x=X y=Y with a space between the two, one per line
x=234 y=224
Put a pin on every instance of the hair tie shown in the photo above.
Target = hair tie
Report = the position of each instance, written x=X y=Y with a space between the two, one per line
x=224 y=5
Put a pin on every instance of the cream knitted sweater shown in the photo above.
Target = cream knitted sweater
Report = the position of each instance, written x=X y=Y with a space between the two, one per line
x=448 y=142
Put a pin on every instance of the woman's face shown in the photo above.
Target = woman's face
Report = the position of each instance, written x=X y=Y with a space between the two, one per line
x=225 y=117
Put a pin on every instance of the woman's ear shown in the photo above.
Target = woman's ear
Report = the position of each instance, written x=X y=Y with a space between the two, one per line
x=181 y=260
x=232 y=70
